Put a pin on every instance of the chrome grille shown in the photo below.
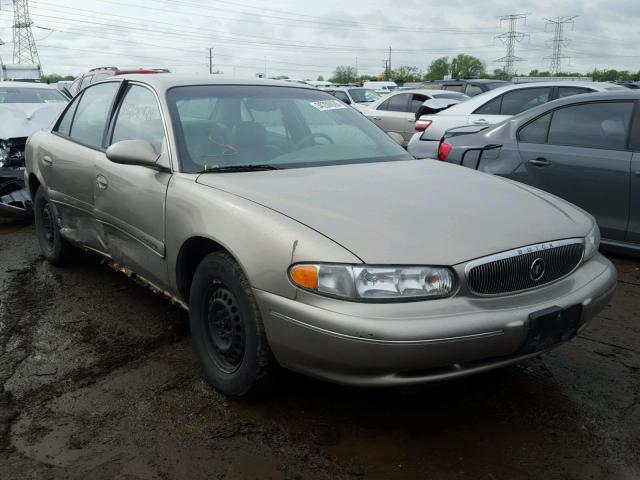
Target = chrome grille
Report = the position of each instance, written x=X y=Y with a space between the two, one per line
x=513 y=271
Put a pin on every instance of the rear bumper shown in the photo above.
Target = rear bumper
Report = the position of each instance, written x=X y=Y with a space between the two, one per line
x=403 y=344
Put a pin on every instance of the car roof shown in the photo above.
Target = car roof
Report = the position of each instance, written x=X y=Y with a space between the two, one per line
x=469 y=80
x=479 y=100
x=424 y=91
x=169 y=80
x=18 y=84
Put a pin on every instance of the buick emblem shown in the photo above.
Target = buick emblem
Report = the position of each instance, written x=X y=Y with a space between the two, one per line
x=536 y=271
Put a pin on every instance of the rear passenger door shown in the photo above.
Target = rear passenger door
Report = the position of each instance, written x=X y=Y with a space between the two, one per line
x=633 y=233
x=130 y=199
x=68 y=164
x=583 y=158
x=392 y=115
x=510 y=103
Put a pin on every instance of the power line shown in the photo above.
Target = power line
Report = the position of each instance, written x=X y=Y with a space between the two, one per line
x=510 y=38
x=558 y=42
x=24 y=45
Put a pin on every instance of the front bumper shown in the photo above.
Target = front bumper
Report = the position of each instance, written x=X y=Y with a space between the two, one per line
x=377 y=345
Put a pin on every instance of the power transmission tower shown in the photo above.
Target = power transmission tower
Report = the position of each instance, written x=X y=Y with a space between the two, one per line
x=510 y=38
x=24 y=45
x=558 y=42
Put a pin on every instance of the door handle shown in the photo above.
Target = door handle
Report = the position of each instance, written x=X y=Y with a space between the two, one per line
x=101 y=182
x=481 y=121
x=376 y=118
x=47 y=161
x=411 y=120
x=539 y=162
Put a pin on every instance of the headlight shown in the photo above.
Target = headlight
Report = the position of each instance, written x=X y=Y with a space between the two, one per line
x=4 y=153
x=591 y=243
x=374 y=283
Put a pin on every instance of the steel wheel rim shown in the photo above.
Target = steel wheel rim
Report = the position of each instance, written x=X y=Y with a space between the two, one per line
x=48 y=224
x=225 y=329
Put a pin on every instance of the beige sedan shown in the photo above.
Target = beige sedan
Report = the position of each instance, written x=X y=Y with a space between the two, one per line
x=297 y=234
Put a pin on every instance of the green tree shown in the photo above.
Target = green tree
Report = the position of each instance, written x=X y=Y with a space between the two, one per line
x=406 y=74
x=344 y=74
x=320 y=78
x=467 y=66
x=438 y=69
x=54 y=78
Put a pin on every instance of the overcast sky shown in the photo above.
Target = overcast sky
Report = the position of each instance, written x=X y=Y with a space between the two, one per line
x=303 y=39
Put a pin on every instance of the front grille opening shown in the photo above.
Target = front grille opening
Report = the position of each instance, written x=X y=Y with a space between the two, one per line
x=513 y=273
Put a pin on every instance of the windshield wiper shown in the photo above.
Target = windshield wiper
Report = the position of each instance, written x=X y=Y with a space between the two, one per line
x=240 y=168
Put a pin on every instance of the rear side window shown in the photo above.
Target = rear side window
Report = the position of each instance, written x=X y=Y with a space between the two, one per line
x=473 y=90
x=341 y=96
x=536 y=131
x=397 y=103
x=634 y=138
x=86 y=81
x=492 y=107
x=456 y=88
x=568 y=91
x=64 y=125
x=91 y=115
x=518 y=101
x=139 y=118
x=592 y=125
x=417 y=101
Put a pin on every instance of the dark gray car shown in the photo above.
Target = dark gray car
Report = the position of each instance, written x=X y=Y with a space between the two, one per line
x=584 y=148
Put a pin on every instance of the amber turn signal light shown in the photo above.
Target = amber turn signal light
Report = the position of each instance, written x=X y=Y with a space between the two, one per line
x=305 y=276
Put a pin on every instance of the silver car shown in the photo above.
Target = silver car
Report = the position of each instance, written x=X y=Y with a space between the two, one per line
x=297 y=234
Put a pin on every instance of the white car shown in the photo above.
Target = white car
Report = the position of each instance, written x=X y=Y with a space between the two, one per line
x=381 y=87
x=493 y=107
x=358 y=97
x=396 y=112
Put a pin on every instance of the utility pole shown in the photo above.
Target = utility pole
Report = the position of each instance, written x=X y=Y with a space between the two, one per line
x=558 y=42
x=389 y=63
x=510 y=38
x=210 y=61
x=356 y=65
x=24 y=45
x=386 y=69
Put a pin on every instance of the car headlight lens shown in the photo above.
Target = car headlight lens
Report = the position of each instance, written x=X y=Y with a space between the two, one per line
x=591 y=243
x=374 y=283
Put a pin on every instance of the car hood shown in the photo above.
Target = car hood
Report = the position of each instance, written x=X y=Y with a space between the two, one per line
x=410 y=212
x=23 y=119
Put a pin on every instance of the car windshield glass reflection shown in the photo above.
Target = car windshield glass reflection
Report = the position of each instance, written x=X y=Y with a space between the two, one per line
x=30 y=95
x=362 y=95
x=223 y=126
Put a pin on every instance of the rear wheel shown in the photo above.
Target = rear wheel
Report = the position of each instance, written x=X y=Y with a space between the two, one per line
x=53 y=246
x=226 y=328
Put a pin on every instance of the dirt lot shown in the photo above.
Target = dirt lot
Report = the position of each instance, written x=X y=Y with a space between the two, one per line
x=99 y=381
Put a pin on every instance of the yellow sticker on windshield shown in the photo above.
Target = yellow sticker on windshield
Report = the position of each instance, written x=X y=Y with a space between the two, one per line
x=328 y=105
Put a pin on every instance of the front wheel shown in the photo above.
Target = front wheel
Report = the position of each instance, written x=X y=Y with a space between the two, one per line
x=226 y=328
x=53 y=246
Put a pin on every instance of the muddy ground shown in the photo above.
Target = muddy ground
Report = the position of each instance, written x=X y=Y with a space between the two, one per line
x=98 y=381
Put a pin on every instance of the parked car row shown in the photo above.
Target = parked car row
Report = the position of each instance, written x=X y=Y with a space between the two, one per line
x=298 y=235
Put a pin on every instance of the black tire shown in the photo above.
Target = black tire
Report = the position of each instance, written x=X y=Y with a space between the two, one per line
x=227 y=330
x=54 y=248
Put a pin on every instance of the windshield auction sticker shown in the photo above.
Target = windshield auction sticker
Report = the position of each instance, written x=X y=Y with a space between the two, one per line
x=328 y=105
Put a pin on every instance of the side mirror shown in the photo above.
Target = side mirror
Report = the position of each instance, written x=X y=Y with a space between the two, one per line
x=396 y=137
x=133 y=152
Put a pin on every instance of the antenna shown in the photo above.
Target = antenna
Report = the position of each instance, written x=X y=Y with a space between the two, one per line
x=558 y=42
x=510 y=38
x=24 y=45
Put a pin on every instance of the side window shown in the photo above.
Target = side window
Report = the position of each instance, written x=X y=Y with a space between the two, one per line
x=472 y=90
x=416 y=102
x=384 y=105
x=341 y=96
x=86 y=81
x=568 y=91
x=455 y=88
x=91 y=114
x=75 y=86
x=518 y=101
x=398 y=103
x=138 y=118
x=592 y=125
x=64 y=125
x=492 y=107
x=634 y=138
x=536 y=131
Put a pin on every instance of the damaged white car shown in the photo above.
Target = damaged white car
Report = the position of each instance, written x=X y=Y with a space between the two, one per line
x=25 y=108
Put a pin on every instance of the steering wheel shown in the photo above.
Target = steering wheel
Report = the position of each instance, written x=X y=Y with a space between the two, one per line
x=311 y=136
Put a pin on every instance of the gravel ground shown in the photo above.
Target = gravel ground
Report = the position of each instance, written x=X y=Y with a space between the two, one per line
x=98 y=380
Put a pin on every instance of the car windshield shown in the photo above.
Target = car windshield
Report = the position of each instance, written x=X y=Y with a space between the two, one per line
x=363 y=95
x=492 y=85
x=451 y=96
x=30 y=95
x=220 y=126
